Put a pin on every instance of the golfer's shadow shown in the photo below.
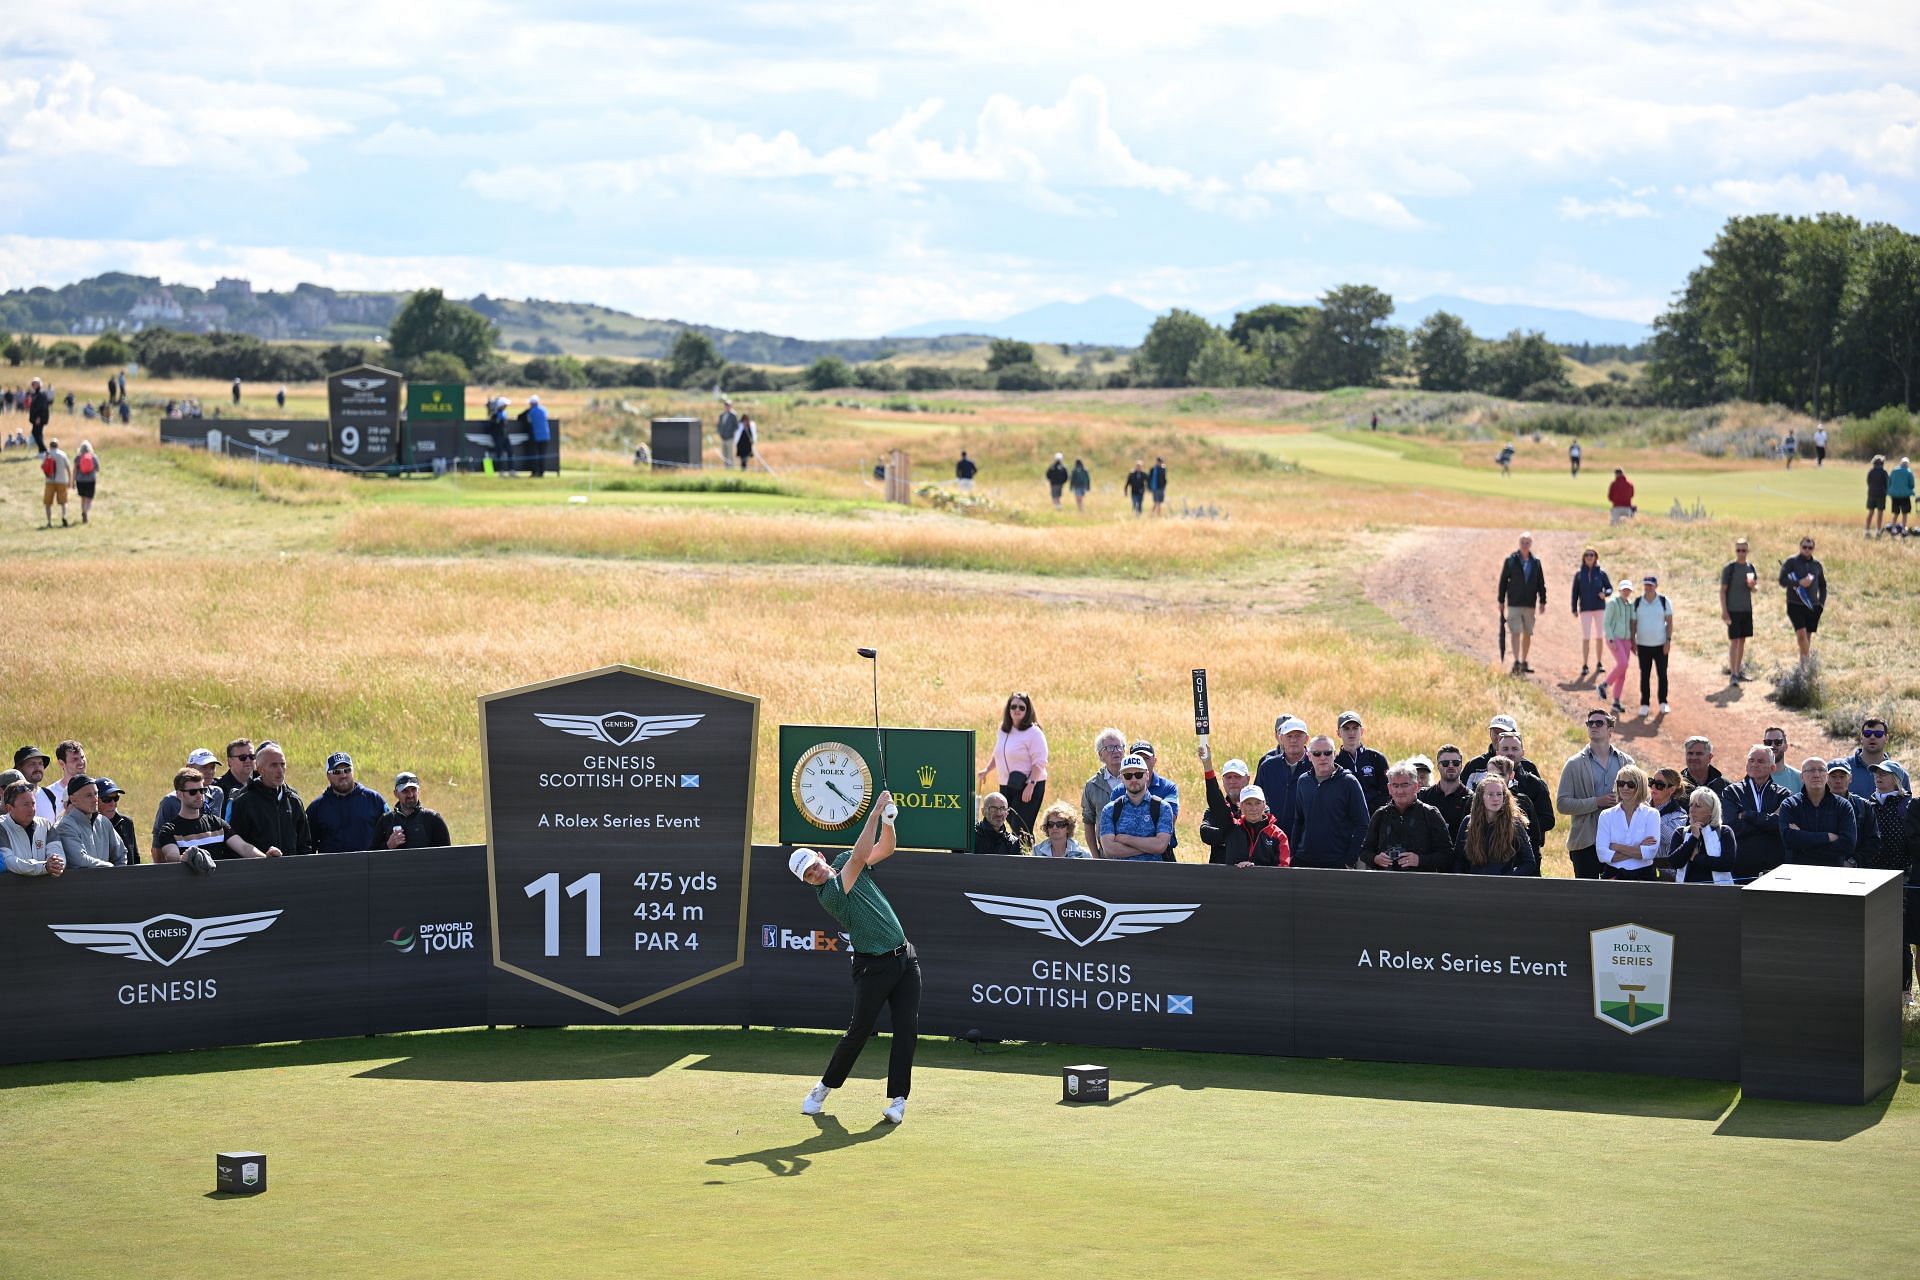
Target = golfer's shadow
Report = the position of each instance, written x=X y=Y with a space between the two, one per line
x=786 y=1162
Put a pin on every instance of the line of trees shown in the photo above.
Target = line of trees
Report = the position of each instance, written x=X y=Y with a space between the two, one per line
x=1819 y=313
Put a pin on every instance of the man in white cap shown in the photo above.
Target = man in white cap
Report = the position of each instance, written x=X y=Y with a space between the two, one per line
x=1278 y=772
x=1498 y=727
x=886 y=969
x=214 y=802
x=1223 y=800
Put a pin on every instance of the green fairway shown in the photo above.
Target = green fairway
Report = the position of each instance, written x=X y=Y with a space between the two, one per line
x=1773 y=492
x=601 y=1152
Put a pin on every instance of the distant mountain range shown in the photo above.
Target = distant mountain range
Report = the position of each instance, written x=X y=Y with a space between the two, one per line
x=1111 y=320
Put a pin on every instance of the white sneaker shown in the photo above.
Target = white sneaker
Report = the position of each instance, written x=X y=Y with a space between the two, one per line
x=1643 y=711
x=897 y=1112
x=816 y=1098
x=1665 y=709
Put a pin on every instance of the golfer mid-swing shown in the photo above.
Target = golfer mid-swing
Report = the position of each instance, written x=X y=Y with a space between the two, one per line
x=885 y=969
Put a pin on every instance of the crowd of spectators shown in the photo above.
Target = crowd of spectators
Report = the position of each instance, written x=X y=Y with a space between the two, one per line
x=1332 y=802
x=237 y=807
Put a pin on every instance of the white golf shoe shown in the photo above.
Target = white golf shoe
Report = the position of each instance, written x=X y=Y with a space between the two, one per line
x=897 y=1112
x=815 y=1099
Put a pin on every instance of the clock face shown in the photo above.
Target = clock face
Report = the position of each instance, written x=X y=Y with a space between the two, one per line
x=832 y=786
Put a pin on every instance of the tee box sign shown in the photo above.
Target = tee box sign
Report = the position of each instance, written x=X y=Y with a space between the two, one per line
x=363 y=412
x=619 y=822
x=829 y=775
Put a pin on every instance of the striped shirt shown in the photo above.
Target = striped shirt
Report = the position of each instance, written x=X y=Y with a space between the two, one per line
x=865 y=913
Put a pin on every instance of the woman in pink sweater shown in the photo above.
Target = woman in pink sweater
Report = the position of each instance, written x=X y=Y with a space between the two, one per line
x=1020 y=760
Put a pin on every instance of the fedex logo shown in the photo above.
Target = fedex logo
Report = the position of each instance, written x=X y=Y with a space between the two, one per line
x=774 y=937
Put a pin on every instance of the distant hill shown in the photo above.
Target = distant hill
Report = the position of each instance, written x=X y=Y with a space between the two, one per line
x=1110 y=320
x=125 y=302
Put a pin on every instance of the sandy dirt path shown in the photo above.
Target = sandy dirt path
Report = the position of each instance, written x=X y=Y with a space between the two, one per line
x=1458 y=610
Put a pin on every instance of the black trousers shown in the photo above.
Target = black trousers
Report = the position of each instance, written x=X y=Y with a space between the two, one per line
x=1653 y=657
x=1028 y=810
x=1622 y=873
x=537 y=451
x=889 y=981
x=1586 y=863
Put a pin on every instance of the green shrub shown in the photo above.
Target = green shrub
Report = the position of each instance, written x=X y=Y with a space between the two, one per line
x=1890 y=431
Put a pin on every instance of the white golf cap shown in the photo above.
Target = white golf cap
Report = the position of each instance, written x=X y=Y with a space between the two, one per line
x=800 y=860
x=1252 y=793
x=1237 y=766
x=1293 y=724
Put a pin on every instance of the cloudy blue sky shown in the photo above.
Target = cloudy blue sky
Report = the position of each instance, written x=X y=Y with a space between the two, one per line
x=843 y=167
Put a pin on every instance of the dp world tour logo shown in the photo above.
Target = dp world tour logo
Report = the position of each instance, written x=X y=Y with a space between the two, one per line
x=618 y=728
x=1081 y=920
x=1632 y=977
x=404 y=939
x=165 y=940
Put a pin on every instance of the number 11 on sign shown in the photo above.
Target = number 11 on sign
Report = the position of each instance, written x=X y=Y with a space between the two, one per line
x=548 y=886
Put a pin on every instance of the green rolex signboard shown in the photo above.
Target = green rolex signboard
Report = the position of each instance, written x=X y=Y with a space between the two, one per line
x=829 y=775
x=436 y=402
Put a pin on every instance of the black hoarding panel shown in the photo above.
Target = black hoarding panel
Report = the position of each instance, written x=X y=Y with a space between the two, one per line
x=363 y=409
x=618 y=819
x=428 y=948
x=153 y=958
x=1109 y=953
x=1513 y=972
x=269 y=440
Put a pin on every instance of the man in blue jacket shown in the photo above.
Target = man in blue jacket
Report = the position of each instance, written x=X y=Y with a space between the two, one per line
x=541 y=433
x=343 y=817
x=1330 y=812
x=1817 y=827
x=1751 y=807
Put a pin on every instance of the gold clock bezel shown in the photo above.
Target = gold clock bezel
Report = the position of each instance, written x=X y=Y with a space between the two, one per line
x=800 y=767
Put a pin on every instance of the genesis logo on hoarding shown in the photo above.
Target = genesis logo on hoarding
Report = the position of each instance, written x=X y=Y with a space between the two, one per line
x=1081 y=920
x=164 y=940
x=363 y=384
x=618 y=728
x=268 y=435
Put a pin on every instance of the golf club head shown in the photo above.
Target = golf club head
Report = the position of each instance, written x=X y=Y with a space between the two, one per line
x=868 y=653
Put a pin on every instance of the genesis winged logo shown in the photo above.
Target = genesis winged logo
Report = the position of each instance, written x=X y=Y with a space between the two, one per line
x=1081 y=920
x=269 y=436
x=363 y=384
x=167 y=939
x=618 y=728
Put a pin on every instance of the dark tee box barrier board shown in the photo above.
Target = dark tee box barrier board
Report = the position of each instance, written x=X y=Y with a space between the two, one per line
x=464 y=444
x=1154 y=956
x=297 y=440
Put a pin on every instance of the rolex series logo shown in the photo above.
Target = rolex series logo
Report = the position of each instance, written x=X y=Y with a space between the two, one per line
x=926 y=775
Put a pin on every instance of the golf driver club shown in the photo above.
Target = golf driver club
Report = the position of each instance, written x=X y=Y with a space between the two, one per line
x=879 y=743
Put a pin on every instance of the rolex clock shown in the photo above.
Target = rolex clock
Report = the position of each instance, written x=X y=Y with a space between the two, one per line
x=832 y=785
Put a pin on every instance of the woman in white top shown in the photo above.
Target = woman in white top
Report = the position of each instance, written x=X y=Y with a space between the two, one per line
x=1020 y=759
x=1628 y=834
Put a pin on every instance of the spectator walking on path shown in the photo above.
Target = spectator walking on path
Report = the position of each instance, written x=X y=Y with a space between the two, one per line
x=39 y=413
x=1586 y=791
x=1080 y=482
x=1737 y=581
x=1820 y=445
x=1876 y=493
x=728 y=426
x=1057 y=478
x=1157 y=483
x=1137 y=485
x=236 y=391
x=58 y=469
x=1652 y=639
x=964 y=471
x=1506 y=459
x=1020 y=759
x=1805 y=580
x=1616 y=624
x=1900 y=494
x=1620 y=497
x=1790 y=449
x=279 y=397
x=1522 y=593
x=1591 y=586
x=86 y=478
x=1573 y=458
x=745 y=440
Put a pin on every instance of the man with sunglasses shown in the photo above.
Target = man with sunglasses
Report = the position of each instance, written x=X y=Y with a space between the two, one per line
x=1449 y=795
x=1330 y=817
x=1872 y=753
x=239 y=773
x=1785 y=776
x=212 y=800
x=1136 y=826
x=123 y=827
x=1587 y=790
x=345 y=815
x=1806 y=583
x=193 y=828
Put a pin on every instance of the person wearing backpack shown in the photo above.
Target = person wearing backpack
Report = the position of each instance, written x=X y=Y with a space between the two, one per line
x=1652 y=639
x=86 y=475
x=58 y=469
x=1135 y=826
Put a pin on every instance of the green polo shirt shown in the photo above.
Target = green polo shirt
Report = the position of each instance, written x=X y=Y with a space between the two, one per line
x=865 y=913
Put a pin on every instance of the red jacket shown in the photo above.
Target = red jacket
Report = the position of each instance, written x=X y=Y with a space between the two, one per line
x=1620 y=492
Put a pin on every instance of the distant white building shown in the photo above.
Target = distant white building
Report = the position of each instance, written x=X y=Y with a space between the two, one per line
x=156 y=306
